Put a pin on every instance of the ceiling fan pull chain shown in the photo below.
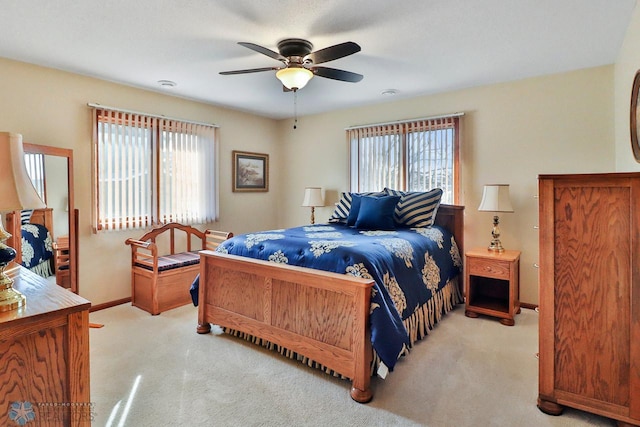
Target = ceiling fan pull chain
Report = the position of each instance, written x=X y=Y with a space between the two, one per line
x=295 y=109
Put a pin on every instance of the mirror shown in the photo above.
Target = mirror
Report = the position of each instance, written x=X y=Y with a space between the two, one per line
x=635 y=116
x=57 y=184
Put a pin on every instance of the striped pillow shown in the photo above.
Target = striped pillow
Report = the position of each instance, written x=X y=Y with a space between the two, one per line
x=342 y=209
x=25 y=216
x=416 y=209
x=341 y=212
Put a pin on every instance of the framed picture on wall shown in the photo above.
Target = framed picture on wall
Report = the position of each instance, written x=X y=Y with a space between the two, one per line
x=250 y=171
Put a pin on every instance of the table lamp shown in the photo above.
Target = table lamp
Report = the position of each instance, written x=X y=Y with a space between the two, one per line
x=495 y=198
x=313 y=197
x=16 y=193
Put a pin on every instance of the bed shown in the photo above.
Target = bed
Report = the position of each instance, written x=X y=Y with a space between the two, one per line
x=263 y=288
x=36 y=239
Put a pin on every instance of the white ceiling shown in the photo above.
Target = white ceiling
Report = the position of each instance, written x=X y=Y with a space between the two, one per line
x=414 y=46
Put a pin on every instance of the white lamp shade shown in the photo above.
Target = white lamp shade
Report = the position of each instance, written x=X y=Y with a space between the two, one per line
x=294 y=77
x=495 y=198
x=313 y=197
x=16 y=189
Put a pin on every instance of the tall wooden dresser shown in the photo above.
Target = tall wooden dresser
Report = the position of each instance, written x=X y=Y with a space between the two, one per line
x=589 y=326
x=44 y=356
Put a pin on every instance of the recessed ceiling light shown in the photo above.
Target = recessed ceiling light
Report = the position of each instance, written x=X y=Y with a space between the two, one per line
x=389 y=92
x=167 y=83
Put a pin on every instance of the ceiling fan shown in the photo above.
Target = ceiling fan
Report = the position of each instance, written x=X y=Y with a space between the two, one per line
x=300 y=62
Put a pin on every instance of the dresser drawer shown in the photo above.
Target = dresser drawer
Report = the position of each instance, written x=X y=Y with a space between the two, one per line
x=488 y=268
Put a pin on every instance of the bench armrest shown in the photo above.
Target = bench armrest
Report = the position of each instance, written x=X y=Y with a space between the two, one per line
x=213 y=238
x=143 y=253
x=138 y=243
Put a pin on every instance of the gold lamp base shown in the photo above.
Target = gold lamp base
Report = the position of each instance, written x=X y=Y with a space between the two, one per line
x=10 y=299
x=496 y=244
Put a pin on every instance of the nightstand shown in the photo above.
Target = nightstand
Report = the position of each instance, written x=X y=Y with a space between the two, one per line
x=492 y=285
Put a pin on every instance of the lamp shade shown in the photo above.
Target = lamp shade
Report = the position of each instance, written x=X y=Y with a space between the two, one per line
x=294 y=78
x=313 y=197
x=495 y=198
x=16 y=189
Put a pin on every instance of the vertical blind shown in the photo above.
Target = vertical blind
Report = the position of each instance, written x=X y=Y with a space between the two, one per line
x=414 y=155
x=151 y=170
x=34 y=163
x=187 y=151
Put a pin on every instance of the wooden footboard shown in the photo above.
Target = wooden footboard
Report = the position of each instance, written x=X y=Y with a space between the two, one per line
x=318 y=314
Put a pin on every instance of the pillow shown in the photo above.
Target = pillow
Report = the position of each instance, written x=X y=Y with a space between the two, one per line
x=416 y=209
x=341 y=212
x=356 y=199
x=25 y=216
x=343 y=207
x=377 y=213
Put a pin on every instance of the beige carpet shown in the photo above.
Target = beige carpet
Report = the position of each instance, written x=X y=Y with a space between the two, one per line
x=157 y=371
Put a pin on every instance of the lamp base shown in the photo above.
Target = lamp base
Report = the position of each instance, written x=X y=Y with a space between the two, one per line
x=495 y=246
x=10 y=299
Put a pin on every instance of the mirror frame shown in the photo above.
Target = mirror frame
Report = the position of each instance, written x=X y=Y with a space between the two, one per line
x=634 y=119
x=73 y=213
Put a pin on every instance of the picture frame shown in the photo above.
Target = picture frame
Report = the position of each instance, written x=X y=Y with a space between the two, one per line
x=250 y=171
x=634 y=121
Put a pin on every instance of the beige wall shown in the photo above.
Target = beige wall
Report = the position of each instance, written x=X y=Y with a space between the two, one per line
x=511 y=133
x=627 y=64
x=49 y=107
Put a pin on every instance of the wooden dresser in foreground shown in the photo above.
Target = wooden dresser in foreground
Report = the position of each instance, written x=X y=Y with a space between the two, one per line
x=44 y=356
x=589 y=327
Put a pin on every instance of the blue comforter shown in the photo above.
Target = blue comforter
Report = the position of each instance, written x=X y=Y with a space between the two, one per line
x=37 y=245
x=408 y=265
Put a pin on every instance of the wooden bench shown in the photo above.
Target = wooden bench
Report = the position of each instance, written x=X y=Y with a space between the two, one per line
x=162 y=282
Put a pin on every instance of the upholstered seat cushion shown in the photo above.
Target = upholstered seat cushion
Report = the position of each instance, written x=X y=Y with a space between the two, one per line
x=169 y=262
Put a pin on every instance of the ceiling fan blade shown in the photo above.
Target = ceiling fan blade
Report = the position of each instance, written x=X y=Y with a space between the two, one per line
x=335 y=74
x=333 y=52
x=250 y=70
x=264 y=51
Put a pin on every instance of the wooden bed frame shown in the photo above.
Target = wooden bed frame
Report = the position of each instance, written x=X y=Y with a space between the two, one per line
x=321 y=315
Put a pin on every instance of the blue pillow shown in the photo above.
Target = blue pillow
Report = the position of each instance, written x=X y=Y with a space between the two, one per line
x=376 y=213
x=354 y=209
x=343 y=207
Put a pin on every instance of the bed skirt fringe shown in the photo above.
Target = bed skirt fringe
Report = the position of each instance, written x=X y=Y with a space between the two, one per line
x=418 y=326
x=43 y=269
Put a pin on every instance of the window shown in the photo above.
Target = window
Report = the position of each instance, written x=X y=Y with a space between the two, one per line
x=410 y=156
x=152 y=170
x=34 y=163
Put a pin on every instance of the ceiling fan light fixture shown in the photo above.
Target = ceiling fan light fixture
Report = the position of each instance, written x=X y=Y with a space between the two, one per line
x=294 y=78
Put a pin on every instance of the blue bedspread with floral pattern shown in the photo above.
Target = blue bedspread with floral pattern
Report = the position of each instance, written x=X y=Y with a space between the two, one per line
x=407 y=265
x=37 y=245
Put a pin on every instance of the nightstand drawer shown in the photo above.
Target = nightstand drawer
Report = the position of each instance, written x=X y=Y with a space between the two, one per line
x=488 y=268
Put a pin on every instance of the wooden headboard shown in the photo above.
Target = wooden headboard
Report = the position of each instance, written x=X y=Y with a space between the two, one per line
x=12 y=225
x=451 y=217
